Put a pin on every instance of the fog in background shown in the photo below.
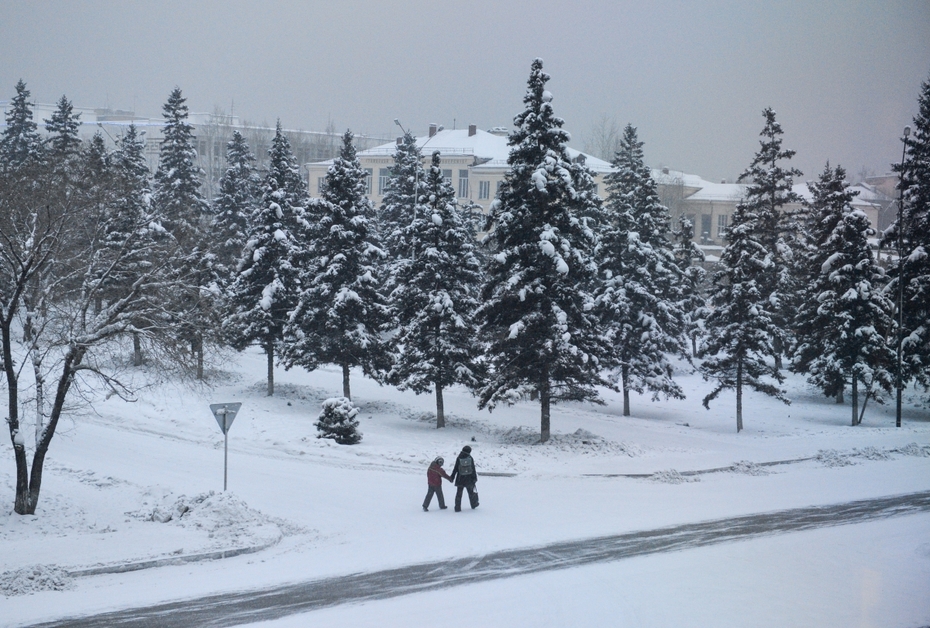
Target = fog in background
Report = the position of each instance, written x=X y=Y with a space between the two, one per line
x=843 y=77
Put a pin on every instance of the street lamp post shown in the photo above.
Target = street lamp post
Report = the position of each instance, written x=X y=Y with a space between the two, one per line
x=899 y=383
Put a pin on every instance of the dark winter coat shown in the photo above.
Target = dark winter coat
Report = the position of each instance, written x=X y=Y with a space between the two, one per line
x=434 y=475
x=458 y=477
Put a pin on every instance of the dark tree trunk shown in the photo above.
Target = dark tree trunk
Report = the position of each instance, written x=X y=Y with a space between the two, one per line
x=839 y=397
x=440 y=408
x=198 y=352
x=624 y=375
x=269 y=351
x=854 y=398
x=739 y=396
x=544 y=405
x=72 y=361
x=136 y=349
x=346 y=390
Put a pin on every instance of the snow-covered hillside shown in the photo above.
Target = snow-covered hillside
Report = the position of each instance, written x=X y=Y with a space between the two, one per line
x=132 y=510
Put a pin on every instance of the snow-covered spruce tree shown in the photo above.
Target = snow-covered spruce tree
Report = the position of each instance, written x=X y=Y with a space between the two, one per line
x=434 y=297
x=337 y=421
x=266 y=286
x=131 y=221
x=181 y=209
x=397 y=208
x=63 y=129
x=691 y=296
x=637 y=296
x=239 y=191
x=740 y=326
x=915 y=246
x=768 y=193
x=19 y=141
x=537 y=311
x=844 y=316
x=340 y=311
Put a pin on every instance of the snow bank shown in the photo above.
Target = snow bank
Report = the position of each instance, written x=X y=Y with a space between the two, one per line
x=671 y=476
x=33 y=579
x=227 y=520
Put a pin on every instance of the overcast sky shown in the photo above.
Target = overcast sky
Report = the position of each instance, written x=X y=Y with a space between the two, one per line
x=694 y=77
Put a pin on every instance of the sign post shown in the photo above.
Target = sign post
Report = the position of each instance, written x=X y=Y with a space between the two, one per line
x=224 y=413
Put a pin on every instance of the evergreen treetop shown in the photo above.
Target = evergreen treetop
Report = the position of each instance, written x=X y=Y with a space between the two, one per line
x=178 y=201
x=20 y=141
x=239 y=189
x=63 y=127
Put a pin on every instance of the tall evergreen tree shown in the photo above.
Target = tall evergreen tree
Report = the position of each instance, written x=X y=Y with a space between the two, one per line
x=844 y=315
x=177 y=198
x=266 y=287
x=768 y=193
x=538 y=310
x=740 y=326
x=240 y=188
x=913 y=268
x=340 y=311
x=63 y=128
x=434 y=297
x=19 y=141
x=130 y=224
x=638 y=295
x=181 y=209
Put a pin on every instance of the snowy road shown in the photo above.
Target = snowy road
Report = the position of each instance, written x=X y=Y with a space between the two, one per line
x=236 y=608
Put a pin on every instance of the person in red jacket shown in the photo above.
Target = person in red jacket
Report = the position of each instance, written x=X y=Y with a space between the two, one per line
x=434 y=476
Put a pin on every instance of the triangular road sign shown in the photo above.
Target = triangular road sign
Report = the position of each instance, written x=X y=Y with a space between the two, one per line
x=224 y=413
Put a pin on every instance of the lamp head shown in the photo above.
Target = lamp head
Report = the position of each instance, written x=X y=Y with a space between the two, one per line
x=907 y=131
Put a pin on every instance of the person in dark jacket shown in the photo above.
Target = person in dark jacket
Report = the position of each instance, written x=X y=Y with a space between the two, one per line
x=434 y=475
x=465 y=476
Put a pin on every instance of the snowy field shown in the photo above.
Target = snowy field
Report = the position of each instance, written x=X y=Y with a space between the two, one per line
x=139 y=486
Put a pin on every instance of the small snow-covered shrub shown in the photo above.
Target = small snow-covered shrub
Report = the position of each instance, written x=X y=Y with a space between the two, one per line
x=337 y=421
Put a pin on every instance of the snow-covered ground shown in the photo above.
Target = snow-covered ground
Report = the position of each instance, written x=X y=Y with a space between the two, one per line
x=140 y=486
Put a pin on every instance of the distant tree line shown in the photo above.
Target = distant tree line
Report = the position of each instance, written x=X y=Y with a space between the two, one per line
x=106 y=267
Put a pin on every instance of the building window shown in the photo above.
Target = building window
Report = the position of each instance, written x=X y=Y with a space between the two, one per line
x=447 y=177
x=721 y=225
x=463 y=183
x=320 y=182
x=484 y=190
x=369 y=173
x=384 y=175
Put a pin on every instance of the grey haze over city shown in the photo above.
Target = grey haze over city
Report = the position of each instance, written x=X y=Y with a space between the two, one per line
x=694 y=77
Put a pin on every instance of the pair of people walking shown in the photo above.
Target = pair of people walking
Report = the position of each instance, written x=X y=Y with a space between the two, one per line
x=464 y=476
